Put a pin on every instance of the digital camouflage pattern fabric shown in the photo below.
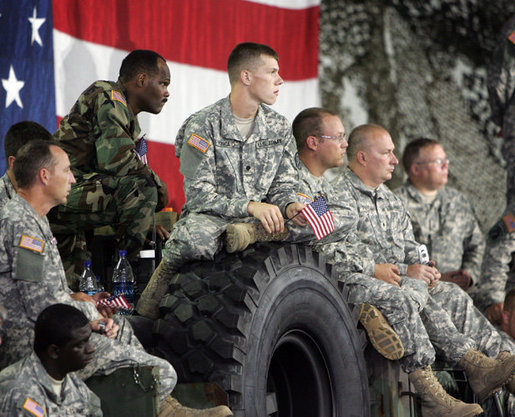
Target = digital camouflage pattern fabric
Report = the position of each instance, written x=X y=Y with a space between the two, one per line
x=7 y=190
x=501 y=92
x=448 y=227
x=223 y=172
x=33 y=278
x=498 y=270
x=27 y=390
x=114 y=187
x=384 y=226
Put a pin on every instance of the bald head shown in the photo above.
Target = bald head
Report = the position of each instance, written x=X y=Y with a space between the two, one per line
x=362 y=137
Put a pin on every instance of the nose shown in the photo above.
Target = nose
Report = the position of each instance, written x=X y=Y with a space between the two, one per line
x=72 y=179
x=279 y=81
x=395 y=161
x=167 y=93
x=90 y=349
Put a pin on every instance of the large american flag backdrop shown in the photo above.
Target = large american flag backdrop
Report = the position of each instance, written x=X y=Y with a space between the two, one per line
x=52 y=50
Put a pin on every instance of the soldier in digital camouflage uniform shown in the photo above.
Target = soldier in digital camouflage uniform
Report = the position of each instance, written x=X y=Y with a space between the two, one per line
x=501 y=92
x=384 y=226
x=498 y=270
x=44 y=383
x=441 y=216
x=33 y=276
x=237 y=160
x=114 y=187
x=18 y=135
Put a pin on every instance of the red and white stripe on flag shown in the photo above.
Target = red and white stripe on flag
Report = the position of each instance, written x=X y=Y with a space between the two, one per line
x=319 y=217
x=195 y=37
x=116 y=301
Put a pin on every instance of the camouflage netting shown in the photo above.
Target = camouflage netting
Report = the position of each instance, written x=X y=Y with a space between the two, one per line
x=418 y=68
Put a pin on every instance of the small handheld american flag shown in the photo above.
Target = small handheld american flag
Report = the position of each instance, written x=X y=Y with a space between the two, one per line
x=116 y=301
x=319 y=217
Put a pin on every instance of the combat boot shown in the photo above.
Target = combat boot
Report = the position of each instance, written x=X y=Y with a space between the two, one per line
x=148 y=304
x=504 y=356
x=173 y=408
x=240 y=235
x=486 y=375
x=435 y=401
x=380 y=333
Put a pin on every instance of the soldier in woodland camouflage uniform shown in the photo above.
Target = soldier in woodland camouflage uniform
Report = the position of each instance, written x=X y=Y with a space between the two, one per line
x=114 y=187
x=442 y=218
x=44 y=383
x=501 y=91
x=385 y=228
x=498 y=271
x=33 y=276
x=237 y=160
x=18 y=135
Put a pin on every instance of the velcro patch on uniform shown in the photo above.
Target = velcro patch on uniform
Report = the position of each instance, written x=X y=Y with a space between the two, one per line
x=306 y=199
x=116 y=95
x=512 y=37
x=31 y=243
x=33 y=407
x=198 y=143
x=509 y=221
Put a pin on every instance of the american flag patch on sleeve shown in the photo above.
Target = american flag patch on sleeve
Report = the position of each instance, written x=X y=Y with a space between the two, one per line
x=198 y=143
x=31 y=243
x=33 y=407
x=117 y=96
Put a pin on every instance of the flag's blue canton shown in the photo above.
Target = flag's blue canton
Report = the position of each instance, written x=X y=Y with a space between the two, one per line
x=320 y=206
x=141 y=147
x=27 y=90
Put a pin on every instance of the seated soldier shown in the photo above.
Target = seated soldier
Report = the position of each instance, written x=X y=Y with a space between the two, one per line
x=33 y=277
x=113 y=185
x=44 y=383
x=441 y=216
x=237 y=160
x=18 y=135
x=498 y=270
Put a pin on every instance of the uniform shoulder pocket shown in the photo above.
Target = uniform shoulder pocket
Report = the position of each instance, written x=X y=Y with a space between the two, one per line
x=29 y=265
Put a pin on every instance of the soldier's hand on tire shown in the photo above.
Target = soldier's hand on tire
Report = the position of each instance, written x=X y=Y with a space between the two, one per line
x=388 y=273
x=269 y=215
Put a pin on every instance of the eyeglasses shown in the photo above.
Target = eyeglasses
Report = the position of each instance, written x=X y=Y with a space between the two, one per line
x=340 y=138
x=439 y=162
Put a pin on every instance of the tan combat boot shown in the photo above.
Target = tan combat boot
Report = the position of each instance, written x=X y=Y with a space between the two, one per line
x=380 y=333
x=173 y=408
x=148 y=303
x=504 y=356
x=435 y=401
x=486 y=375
x=240 y=235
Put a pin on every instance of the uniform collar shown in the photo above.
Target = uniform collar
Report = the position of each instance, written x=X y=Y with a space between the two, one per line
x=356 y=183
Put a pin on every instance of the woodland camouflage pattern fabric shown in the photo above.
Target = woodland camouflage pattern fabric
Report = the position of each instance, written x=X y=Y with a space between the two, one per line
x=27 y=380
x=448 y=227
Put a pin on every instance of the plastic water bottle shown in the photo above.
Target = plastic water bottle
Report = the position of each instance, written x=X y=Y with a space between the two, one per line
x=88 y=281
x=123 y=279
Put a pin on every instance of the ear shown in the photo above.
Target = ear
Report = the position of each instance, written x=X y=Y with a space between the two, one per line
x=245 y=77
x=141 y=79
x=361 y=158
x=312 y=143
x=10 y=161
x=53 y=351
x=44 y=175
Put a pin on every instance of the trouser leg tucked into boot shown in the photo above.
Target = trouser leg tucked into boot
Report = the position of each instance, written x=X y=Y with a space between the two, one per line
x=435 y=401
x=380 y=333
x=172 y=408
x=486 y=375
x=148 y=304
x=240 y=235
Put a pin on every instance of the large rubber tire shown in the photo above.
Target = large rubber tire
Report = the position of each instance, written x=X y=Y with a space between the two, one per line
x=271 y=326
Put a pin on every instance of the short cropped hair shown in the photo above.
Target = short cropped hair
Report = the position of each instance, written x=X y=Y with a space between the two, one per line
x=245 y=55
x=55 y=324
x=509 y=301
x=137 y=62
x=309 y=122
x=30 y=158
x=21 y=133
x=412 y=151
x=357 y=139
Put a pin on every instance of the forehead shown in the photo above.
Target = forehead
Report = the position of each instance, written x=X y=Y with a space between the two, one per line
x=330 y=121
x=80 y=334
x=432 y=150
x=266 y=61
x=60 y=155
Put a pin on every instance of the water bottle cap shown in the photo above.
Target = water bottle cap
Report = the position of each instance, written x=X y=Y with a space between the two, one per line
x=122 y=252
x=87 y=264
